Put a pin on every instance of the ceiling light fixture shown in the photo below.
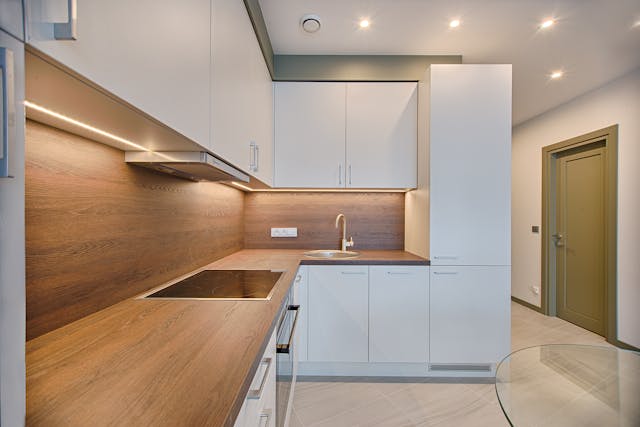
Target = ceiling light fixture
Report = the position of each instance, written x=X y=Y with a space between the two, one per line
x=454 y=23
x=557 y=74
x=547 y=23
x=310 y=23
x=364 y=23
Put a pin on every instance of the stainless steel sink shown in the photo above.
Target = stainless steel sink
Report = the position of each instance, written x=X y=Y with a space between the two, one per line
x=331 y=254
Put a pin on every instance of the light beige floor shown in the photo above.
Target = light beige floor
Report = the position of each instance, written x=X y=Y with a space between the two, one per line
x=399 y=404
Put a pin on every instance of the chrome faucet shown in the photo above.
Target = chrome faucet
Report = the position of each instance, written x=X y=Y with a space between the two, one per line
x=344 y=243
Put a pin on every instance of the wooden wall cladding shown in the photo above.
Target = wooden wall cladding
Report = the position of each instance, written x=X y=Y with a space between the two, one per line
x=375 y=220
x=99 y=231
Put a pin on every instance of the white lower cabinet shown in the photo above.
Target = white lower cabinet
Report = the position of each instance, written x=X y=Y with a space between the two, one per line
x=338 y=313
x=398 y=314
x=470 y=314
x=259 y=407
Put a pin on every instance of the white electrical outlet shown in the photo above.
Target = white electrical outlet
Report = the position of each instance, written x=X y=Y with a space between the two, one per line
x=535 y=289
x=284 y=232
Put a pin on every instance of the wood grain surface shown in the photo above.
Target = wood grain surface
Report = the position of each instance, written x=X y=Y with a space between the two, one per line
x=161 y=363
x=99 y=231
x=375 y=220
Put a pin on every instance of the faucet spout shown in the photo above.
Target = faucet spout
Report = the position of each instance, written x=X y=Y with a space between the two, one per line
x=344 y=243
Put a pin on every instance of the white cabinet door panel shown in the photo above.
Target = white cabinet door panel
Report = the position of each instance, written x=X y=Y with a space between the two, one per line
x=309 y=134
x=338 y=313
x=470 y=314
x=154 y=54
x=470 y=168
x=241 y=92
x=398 y=314
x=381 y=135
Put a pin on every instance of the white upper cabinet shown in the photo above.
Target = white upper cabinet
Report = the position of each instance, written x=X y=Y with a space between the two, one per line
x=11 y=19
x=154 y=54
x=309 y=135
x=341 y=135
x=381 y=135
x=241 y=93
x=470 y=167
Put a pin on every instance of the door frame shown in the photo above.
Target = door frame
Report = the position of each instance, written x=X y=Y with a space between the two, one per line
x=609 y=136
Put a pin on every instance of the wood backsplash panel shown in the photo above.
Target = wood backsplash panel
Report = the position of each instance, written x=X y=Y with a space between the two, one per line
x=99 y=231
x=375 y=220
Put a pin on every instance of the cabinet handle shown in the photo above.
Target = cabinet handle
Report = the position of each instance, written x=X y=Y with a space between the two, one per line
x=340 y=174
x=452 y=257
x=68 y=30
x=353 y=273
x=256 y=394
x=7 y=110
x=298 y=278
x=252 y=156
x=257 y=158
x=349 y=174
x=445 y=273
x=265 y=417
x=398 y=273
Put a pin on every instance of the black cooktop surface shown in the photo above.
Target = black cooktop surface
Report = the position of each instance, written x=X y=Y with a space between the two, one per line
x=235 y=284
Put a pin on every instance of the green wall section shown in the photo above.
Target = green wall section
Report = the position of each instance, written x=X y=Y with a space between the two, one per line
x=340 y=67
x=357 y=67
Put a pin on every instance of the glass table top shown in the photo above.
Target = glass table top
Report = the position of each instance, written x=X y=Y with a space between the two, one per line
x=570 y=385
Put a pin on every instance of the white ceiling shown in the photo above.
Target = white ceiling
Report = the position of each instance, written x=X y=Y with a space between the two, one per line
x=593 y=41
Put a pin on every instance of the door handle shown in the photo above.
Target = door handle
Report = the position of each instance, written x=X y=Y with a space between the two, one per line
x=349 y=174
x=7 y=111
x=68 y=30
x=286 y=348
x=557 y=240
x=340 y=174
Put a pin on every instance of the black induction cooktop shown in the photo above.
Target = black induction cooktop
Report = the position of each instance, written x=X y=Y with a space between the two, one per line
x=223 y=284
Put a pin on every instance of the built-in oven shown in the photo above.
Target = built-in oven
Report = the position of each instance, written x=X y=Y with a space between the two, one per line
x=286 y=360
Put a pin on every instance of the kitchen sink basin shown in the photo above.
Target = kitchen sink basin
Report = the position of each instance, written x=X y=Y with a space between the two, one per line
x=331 y=254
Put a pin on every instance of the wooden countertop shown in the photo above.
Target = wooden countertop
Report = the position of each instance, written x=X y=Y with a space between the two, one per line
x=163 y=363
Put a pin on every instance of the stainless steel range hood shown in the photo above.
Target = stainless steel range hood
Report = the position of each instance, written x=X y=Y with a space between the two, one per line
x=195 y=166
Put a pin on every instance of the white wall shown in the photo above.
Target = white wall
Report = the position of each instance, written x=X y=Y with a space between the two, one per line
x=618 y=102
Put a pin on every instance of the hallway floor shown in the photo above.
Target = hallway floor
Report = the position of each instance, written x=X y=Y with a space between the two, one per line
x=451 y=403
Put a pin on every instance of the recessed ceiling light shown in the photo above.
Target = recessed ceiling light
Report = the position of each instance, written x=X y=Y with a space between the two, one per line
x=454 y=23
x=364 y=23
x=547 y=23
x=310 y=23
x=557 y=74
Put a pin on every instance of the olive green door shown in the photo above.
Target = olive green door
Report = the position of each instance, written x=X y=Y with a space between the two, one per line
x=580 y=238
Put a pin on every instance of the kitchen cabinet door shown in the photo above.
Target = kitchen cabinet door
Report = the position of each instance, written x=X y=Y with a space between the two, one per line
x=338 y=313
x=301 y=298
x=470 y=315
x=470 y=166
x=382 y=124
x=11 y=19
x=398 y=313
x=241 y=93
x=309 y=134
x=154 y=54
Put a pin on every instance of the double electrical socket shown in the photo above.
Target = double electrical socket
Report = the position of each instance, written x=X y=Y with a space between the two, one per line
x=284 y=232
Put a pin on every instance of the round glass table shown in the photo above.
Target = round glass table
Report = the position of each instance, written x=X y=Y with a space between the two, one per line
x=570 y=385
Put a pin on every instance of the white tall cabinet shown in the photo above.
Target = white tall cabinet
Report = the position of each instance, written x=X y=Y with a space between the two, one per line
x=466 y=130
x=345 y=135
x=470 y=168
